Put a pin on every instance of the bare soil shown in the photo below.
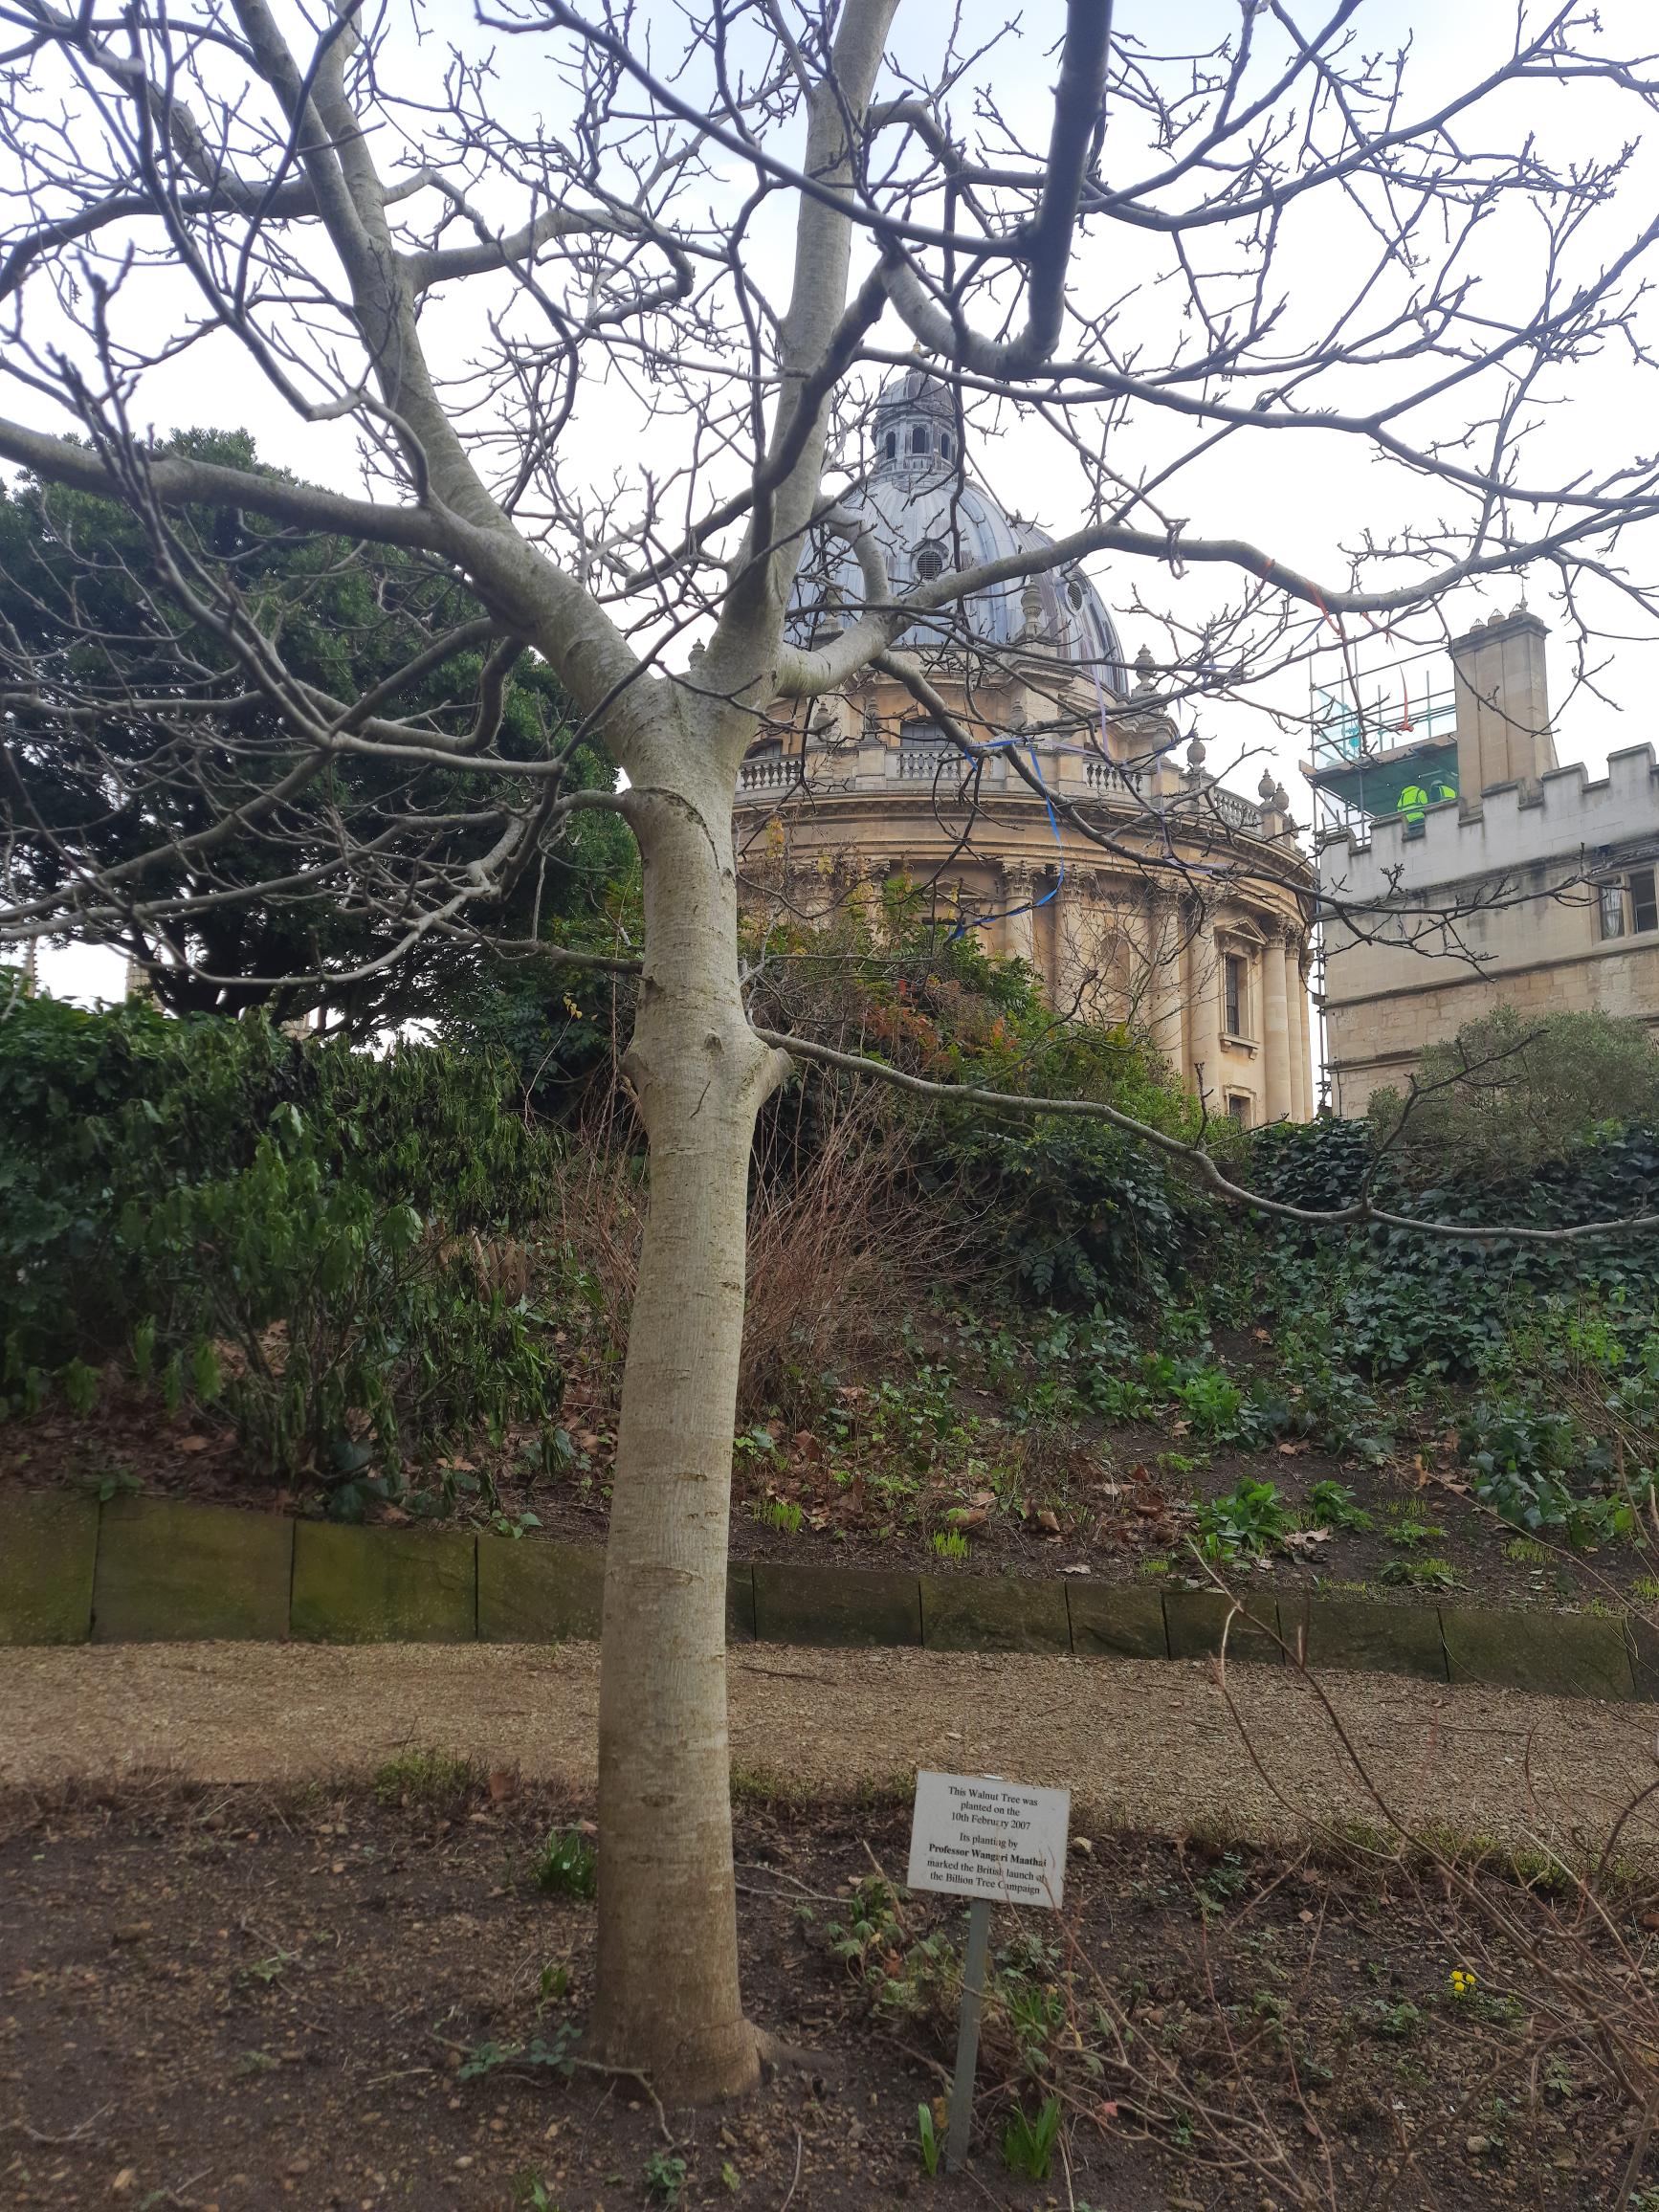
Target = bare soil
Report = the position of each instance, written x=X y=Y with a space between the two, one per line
x=245 y=1997
x=1103 y=1502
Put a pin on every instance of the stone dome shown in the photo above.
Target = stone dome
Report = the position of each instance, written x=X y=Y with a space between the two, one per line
x=930 y=516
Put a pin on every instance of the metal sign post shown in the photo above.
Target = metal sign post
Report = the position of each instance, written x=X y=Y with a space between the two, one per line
x=998 y=1843
x=967 y=2034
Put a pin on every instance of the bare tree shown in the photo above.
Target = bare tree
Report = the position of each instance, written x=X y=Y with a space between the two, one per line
x=1270 y=241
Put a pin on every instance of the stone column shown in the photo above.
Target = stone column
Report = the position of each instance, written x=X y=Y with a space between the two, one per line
x=1078 y=931
x=1275 y=1031
x=1164 y=980
x=1298 y=1011
x=1208 y=1016
x=872 y=897
x=1019 y=932
x=1304 y=1019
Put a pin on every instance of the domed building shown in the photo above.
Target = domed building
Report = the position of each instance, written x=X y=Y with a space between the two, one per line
x=1136 y=886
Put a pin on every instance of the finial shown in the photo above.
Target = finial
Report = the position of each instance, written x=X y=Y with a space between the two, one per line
x=1265 y=788
x=1281 y=800
x=1195 y=752
x=1146 y=671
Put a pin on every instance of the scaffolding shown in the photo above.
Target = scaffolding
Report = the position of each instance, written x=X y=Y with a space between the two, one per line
x=1379 y=750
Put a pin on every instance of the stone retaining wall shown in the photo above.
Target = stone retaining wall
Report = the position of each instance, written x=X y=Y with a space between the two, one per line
x=167 y=1570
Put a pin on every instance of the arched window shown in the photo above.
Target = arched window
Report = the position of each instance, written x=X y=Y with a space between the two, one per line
x=929 y=562
x=919 y=438
x=944 y=444
x=892 y=445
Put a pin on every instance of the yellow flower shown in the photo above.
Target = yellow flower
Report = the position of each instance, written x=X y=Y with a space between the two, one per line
x=1462 y=1981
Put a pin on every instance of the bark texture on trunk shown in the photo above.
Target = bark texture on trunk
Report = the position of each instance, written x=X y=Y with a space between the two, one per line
x=667 y=1997
x=667 y=1905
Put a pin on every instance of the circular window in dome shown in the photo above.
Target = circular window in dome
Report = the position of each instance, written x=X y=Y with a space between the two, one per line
x=1074 y=593
x=929 y=564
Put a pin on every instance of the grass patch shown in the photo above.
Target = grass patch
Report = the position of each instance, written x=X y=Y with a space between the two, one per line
x=434 y=1778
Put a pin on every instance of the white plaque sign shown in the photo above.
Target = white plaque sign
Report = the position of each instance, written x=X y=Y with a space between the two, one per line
x=975 y=1836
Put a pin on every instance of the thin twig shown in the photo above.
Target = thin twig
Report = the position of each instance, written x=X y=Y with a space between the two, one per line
x=631 y=2074
x=795 y=2183
x=76 y=2135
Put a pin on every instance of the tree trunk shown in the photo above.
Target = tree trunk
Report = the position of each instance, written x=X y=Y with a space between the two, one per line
x=667 y=1906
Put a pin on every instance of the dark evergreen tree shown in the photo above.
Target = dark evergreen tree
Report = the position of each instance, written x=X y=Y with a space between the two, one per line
x=130 y=726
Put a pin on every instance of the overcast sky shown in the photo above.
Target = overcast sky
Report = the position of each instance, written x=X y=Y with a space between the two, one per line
x=1303 y=502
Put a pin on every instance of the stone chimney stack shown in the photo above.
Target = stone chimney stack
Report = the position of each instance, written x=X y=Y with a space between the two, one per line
x=1503 y=704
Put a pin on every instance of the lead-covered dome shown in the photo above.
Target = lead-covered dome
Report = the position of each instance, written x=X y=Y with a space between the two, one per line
x=930 y=517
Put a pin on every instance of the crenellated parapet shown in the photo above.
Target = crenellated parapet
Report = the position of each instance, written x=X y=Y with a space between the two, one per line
x=1567 y=815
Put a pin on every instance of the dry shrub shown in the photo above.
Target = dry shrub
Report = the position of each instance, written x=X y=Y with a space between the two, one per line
x=843 y=1245
x=596 y=1223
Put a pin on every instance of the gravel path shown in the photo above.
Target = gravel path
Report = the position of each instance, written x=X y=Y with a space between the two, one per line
x=1140 y=1743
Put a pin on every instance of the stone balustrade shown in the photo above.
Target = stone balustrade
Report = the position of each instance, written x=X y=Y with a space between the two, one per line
x=1069 y=772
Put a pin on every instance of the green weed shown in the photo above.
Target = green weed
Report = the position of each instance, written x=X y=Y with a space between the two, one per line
x=1431 y=1574
x=567 y=1865
x=1216 y=1405
x=1408 y=1532
x=266 y=1971
x=1248 y=1521
x=530 y=2190
x=513 y=1525
x=1333 y=1505
x=927 y=2136
x=664 y=2178
x=550 y=2053
x=1028 y=2144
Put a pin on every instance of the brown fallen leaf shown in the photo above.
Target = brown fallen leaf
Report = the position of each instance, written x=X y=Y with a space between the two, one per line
x=1049 y=1521
x=192 y=1444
